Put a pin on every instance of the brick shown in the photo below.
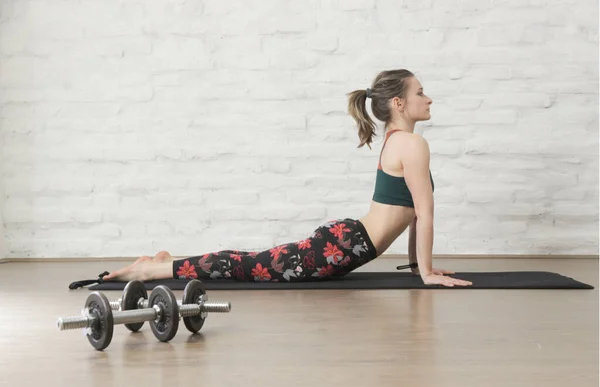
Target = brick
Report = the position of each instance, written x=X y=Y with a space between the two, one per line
x=447 y=194
x=510 y=17
x=333 y=126
x=349 y=5
x=450 y=19
x=20 y=212
x=237 y=213
x=477 y=194
x=447 y=148
x=234 y=196
x=181 y=53
x=503 y=142
x=285 y=52
x=340 y=19
x=483 y=116
x=519 y=100
x=225 y=50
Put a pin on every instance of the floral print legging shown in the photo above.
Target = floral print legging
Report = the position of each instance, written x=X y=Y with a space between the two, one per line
x=334 y=249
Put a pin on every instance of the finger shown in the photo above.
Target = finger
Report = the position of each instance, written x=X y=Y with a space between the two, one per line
x=455 y=282
x=463 y=283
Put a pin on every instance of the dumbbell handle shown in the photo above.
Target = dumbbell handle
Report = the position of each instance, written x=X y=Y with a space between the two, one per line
x=207 y=307
x=119 y=317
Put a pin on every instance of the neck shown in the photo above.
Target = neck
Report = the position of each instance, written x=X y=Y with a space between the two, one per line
x=401 y=124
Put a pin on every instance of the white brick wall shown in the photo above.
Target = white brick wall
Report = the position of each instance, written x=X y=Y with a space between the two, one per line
x=131 y=127
x=3 y=241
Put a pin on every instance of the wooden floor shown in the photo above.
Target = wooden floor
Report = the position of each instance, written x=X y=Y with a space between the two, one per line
x=436 y=338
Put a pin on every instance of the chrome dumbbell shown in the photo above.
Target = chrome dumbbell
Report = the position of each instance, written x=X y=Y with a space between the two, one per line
x=193 y=308
x=99 y=319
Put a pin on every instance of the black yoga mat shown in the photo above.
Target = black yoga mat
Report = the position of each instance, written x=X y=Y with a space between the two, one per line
x=383 y=280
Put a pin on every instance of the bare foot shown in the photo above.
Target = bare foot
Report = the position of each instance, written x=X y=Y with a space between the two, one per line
x=163 y=256
x=144 y=269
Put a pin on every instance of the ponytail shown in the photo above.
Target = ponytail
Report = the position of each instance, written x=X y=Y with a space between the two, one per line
x=357 y=101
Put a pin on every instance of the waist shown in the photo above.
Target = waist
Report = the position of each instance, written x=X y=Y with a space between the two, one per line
x=385 y=224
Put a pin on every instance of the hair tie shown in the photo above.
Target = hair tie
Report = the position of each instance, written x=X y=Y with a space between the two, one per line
x=369 y=93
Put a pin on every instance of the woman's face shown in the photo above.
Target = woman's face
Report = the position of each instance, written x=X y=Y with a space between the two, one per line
x=415 y=106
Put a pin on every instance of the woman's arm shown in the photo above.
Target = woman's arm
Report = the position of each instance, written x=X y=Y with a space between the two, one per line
x=416 y=173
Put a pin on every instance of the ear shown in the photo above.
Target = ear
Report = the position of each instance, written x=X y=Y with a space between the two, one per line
x=397 y=103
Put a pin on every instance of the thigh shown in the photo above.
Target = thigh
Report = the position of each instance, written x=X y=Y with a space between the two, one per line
x=317 y=257
x=335 y=248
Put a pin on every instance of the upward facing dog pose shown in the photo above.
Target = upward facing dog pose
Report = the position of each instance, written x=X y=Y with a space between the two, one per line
x=403 y=198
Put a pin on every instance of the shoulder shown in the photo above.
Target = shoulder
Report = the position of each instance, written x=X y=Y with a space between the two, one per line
x=409 y=143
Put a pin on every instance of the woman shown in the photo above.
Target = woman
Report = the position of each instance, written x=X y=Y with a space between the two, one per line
x=403 y=198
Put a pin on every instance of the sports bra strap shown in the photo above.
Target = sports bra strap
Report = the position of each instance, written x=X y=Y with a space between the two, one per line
x=387 y=136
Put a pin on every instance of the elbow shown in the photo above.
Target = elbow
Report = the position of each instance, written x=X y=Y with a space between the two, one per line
x=425 y=218
x=424 y=213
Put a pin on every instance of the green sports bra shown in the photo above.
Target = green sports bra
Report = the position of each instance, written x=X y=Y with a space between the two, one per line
x=393 y=189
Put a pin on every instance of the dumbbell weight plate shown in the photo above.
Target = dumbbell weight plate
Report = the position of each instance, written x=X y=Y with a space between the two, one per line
x=194 y=291
x=166 y=327
x=134 y=290
x=102 y=330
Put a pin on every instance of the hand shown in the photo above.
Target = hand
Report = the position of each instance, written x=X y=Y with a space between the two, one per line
x=415 y=271
x=435 y=279
x=441 y=271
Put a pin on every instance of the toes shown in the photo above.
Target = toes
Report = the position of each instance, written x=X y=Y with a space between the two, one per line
x=115 y=275
x=108 y=277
